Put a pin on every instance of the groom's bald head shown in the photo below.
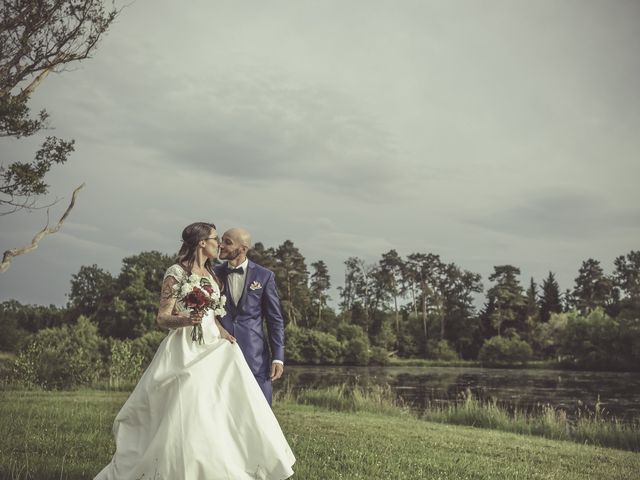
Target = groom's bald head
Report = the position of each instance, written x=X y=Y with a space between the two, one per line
x=235 y=244
x=240 y=235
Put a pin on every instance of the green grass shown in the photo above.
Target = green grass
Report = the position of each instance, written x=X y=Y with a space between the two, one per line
x=425 y=362
x=593 y=429
x=67 y=435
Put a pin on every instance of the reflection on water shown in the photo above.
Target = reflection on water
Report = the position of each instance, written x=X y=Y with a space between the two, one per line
x=418 y=386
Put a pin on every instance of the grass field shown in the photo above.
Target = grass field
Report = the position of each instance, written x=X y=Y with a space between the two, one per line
x=67 y=435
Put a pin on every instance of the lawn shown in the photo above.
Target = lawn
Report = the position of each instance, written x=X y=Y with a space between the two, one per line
x=67 y=435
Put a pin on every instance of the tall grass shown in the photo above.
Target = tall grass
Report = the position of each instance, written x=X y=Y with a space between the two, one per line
x=595 y=428
x=348 y=398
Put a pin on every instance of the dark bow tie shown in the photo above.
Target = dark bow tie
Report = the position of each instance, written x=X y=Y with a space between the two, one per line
x=239 y=270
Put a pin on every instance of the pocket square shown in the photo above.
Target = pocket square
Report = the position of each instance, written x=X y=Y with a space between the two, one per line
x=255 y=286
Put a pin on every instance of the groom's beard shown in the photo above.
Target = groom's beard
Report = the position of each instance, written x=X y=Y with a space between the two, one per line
x=232 y=255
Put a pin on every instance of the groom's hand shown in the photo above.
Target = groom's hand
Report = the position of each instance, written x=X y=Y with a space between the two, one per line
x=277 y=369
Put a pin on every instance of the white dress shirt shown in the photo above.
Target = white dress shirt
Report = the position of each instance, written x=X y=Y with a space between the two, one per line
x=236 y=281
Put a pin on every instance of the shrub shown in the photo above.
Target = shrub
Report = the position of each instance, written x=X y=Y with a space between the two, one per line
x=125 y=364
x=305 y=345
x=379 y=356
x=320 y=347
x=293 y=341
x=147 y=345
x=441 y=350
x=503 y=350
x=355 y=344
x=61 y=357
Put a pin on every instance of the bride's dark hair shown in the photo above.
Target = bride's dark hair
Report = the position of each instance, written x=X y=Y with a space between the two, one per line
x=191 y=236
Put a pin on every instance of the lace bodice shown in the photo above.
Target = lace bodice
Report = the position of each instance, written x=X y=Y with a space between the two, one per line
x=182 y=276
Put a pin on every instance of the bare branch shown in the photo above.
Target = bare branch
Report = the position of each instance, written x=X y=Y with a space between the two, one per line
x=36 y=82
x=14 y=252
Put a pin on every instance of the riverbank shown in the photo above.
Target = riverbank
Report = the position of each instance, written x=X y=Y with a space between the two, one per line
x=532 y=365
x=594 y=428
x=67 y=435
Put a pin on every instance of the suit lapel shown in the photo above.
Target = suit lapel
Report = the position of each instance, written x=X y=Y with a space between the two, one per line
x=248 y=279
x=227 y=290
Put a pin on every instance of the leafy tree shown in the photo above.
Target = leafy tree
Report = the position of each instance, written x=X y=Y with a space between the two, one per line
x=150 y=265
x=89 y=287
x=319 y=285
x=459 y=324
x=37 y=38
x=548 y=336
x=506 y=302
x=31 y=318
x=360 y=294
x=391 y=266
x=626 y=279
x=263 y=256
x=292 y=278
x=126 y=306
x=593 y=288
x=423 y=273
x=593 y=341
x=12 y=334
x=531 y=301
x=627 y=274
x=549 y=301
x=410 y=338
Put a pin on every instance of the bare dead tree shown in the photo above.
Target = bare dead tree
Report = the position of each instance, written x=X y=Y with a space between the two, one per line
x=14 y=252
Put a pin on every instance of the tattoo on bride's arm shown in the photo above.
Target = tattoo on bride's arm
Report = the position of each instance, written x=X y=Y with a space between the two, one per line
x=165 y=319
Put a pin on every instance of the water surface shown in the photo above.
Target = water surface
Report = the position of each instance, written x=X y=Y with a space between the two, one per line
x=619 y=392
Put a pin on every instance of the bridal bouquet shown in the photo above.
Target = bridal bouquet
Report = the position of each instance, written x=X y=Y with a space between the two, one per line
x=198 y=295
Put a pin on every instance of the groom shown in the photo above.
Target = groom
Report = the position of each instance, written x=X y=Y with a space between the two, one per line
x=252 y=297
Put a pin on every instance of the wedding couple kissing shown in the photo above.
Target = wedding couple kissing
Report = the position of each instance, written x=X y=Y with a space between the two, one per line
x=202 y=409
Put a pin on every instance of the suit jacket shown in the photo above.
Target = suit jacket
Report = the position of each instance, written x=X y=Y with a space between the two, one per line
x=259 y=302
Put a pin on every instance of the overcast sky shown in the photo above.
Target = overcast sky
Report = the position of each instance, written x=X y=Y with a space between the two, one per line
x=488 y=132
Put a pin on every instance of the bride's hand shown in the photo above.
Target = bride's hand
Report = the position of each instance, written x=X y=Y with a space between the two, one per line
x=194 y=318
x=227 y=336
x=223 y=332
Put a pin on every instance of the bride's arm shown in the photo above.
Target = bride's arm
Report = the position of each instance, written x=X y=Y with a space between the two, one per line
x=166 y=318
x=223 y=332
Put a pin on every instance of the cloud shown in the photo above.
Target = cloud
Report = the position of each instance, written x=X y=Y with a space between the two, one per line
x=251 y=126
x=562 y=216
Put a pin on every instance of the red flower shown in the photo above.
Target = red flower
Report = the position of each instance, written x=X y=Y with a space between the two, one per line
x=207 y=288
x=197 y=299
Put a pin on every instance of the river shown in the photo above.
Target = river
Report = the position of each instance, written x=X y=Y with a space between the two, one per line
x=619 y=392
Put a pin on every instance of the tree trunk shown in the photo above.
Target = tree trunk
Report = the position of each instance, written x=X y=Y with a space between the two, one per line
x=424 y=316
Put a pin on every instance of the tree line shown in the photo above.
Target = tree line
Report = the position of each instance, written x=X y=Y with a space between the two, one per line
x=418 y=306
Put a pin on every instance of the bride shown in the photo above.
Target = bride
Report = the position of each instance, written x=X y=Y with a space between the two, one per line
x=197 y=412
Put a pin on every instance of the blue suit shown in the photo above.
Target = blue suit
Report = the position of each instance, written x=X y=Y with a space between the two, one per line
x=245 y=320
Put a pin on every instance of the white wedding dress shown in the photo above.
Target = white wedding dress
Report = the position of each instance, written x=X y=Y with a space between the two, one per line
x=197 y=413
